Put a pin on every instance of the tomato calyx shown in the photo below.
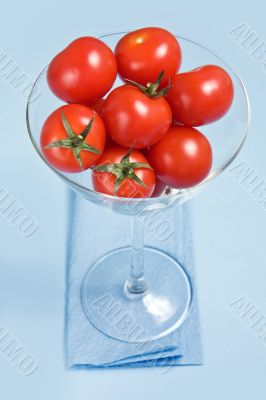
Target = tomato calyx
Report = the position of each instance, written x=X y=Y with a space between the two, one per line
x=151 y=89
x=75 y=142
x=125 y=169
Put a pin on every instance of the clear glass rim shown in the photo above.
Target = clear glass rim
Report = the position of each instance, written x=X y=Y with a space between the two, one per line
x=182 y=192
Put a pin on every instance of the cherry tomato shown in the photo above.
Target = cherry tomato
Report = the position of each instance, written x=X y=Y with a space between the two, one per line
x=83 y=72
x=73 y=138
x=132 y=117
x=142 y=54
x=200 y=96
x=182 y=158
x=124 y=173
x=98 y=106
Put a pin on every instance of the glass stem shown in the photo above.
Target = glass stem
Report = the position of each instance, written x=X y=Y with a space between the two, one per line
x=136 y=283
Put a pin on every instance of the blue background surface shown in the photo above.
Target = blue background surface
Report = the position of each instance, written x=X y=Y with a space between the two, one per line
x=229 y=224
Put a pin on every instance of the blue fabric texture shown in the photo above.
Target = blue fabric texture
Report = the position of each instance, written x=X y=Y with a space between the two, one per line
x=94 y=231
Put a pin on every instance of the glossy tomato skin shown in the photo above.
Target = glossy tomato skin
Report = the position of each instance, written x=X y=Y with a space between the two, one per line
x=78 y=117
x=182 y=158
x=201 y=96
x=104 y=182
x=131 y=117
x=142 y=54
x=83 y=72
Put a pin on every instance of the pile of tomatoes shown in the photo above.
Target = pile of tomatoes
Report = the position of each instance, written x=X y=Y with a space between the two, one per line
x=141 y=137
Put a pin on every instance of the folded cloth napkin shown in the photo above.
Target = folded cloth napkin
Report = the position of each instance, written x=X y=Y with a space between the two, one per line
x=94 y=231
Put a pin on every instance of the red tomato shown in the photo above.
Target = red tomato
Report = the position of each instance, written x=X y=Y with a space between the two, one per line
x=83 y=72
x=98 y=106
x=200 y=96
x=142 y=54
x=132 y=117
x=182 y=158
x=73 y=138
x=124 y=173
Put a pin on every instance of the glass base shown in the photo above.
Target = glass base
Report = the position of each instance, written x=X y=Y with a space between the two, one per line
x=136 y=318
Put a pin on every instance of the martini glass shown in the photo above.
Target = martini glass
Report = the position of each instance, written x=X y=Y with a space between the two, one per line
x=151 y=287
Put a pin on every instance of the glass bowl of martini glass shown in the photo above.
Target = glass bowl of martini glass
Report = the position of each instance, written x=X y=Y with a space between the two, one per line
x=151 y=286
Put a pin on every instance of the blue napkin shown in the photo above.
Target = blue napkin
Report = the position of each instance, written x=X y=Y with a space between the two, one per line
x=94 y=231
